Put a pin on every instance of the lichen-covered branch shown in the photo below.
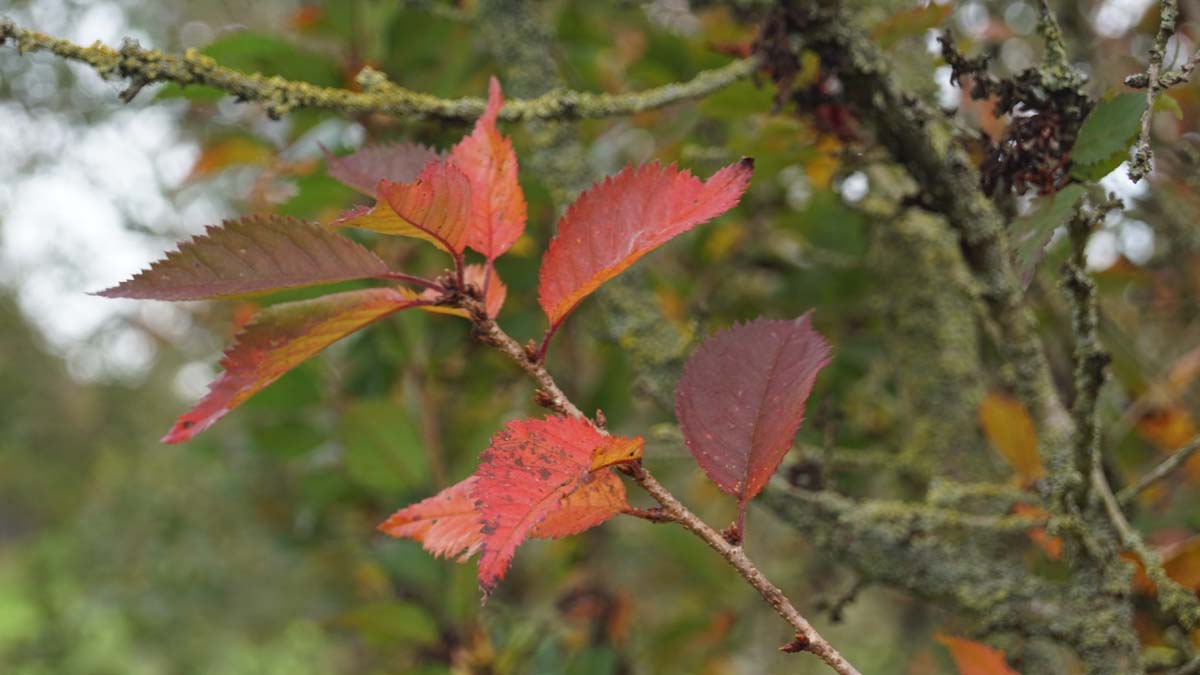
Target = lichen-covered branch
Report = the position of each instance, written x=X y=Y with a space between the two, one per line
x=1168 y=15
x=920 y=141
x=280 y=96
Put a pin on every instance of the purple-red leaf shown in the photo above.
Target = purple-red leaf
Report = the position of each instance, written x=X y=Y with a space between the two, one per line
x=394 y=162
x=280 y=338
x=532 y=469
x=497 y=202
x=250 y=255
x=436 y=207
x=741 y=399
x=624 y=217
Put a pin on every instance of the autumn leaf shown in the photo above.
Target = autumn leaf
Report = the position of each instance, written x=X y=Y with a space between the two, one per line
x=497 y=203
x=251 y=255
x=532 y=469
x=624 y=217
x=279 y=339
x=446 y=524
x=393 y=162
x=741 y=399
x=975 y=658
x=1009 y=429
x=434 y=207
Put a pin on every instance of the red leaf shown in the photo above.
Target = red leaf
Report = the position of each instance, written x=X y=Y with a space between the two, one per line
x=249 y=255
x=395 y=163
x=741 y=399
x=435 y=207
x=497 y=203
x=975 y=658
x=446 y=524
x=623 y=218
x=279 y=339
x=532 y=469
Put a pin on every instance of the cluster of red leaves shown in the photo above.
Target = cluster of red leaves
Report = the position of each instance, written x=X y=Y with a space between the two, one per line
x=740 y=401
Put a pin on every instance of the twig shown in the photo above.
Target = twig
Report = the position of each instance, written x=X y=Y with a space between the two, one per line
x=551 y=397
x=1168 y=465
x=1174 y=599
x=1169 y=13
x=280 y=96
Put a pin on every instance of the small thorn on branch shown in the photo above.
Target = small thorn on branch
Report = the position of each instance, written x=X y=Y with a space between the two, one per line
x=797 y=645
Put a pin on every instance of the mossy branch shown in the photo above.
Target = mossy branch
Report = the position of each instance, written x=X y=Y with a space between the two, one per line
x=280 y=96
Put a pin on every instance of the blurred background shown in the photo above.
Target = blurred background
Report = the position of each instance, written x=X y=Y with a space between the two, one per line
x=253 y=550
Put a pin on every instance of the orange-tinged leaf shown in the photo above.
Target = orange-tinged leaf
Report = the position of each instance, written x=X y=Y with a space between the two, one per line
x=595 y=502
x=1181 y=562
x=741 y=399
x=473 y=275
x=1009 y=429
x=279 y=339
x=435 y=207
x=532 y=468
x=227 y=152
x=497 y=203
x=975 y=658
x=624 y=217
x=446 y=524
x=1168 y=427
x=251 y=255
x=617 y=450
x=393 y=162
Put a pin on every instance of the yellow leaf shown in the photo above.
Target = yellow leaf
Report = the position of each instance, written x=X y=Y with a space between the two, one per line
x=1009 y=429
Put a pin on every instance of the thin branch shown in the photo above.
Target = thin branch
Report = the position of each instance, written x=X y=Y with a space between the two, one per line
x=551 y=397
x=280 y=96
x=1169 y=465
x=1176 y=600
x=1168 y=15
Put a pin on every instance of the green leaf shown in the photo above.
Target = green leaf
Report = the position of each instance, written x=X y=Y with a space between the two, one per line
x=1031 y=234
x=384 y=451
x=1104 y=139
x=392 y=623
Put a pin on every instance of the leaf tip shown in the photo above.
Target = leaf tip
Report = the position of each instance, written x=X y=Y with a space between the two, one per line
x=746 y=164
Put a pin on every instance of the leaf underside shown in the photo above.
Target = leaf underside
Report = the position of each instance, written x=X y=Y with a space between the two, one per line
x=394 y=162
x=436 y=207
x=624 y=217
x=252 y=255
x=498 y=209
x=741 y=399
x=530 y=470
x=280 y=338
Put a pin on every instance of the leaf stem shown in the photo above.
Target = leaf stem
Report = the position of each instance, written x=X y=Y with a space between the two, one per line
x=671 y=509
x=411 y=279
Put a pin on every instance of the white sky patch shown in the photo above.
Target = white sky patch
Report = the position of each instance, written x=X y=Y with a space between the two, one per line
x=86 y=204
x=949 y=94
x=1114 y=18
x=854 y=187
